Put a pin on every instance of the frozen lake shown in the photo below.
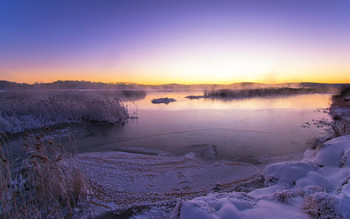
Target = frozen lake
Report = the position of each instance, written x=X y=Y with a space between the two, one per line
x=256 y=130
x=205 y=146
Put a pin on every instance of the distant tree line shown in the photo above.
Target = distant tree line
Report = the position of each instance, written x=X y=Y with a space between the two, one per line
x=70 y=84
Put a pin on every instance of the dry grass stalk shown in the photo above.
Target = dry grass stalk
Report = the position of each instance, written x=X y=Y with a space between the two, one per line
x=49 y=184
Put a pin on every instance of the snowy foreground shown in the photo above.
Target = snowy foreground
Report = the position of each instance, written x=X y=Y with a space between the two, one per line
x=130 y=180
x=317 y=186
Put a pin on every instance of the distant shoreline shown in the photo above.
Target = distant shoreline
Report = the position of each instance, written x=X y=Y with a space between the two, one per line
x=70 y=84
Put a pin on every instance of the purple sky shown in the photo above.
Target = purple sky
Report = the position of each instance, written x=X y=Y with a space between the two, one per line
x=175 y=41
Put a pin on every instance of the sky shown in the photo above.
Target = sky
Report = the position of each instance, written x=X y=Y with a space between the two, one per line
x=175 y=41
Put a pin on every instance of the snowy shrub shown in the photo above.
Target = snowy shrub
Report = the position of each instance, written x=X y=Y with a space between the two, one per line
x=322 y=205
x=340 y=111
x=20 y=111
x=286 y=195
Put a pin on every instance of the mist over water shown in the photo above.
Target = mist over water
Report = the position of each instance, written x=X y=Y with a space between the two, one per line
x=248 y=130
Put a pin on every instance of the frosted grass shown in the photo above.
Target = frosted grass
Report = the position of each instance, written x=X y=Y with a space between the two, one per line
x=24 y=110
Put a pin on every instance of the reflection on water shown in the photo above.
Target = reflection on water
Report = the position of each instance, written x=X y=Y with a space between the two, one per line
x=241 y=130
x=306 y=101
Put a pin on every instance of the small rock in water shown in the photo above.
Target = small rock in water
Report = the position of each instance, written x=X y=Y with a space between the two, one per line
x=165 y=100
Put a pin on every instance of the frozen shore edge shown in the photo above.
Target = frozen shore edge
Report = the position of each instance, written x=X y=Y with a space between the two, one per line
x=318 y=186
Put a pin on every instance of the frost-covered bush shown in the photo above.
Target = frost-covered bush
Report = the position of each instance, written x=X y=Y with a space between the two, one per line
x=340 y=111
x=322 y=205
x=23 y=110
x=286 y=195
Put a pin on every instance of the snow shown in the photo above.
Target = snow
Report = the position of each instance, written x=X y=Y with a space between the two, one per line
x=286 y=172
x=317 y=186
x=129 y=180
x=334 y=152
x=236 y=205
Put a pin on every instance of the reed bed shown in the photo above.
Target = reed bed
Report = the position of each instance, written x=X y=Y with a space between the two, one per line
x=258 y=92
x=25 y=110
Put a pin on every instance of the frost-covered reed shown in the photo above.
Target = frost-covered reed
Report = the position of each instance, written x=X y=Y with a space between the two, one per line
x=48 y=183
x=29 y=109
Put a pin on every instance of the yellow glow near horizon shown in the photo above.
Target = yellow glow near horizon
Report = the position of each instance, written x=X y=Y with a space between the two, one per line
x=196 y=62
x=225 y=68
x=211 y=79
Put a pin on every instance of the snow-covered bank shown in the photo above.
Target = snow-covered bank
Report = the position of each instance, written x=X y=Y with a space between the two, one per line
x=129 y=180
x=317 y=186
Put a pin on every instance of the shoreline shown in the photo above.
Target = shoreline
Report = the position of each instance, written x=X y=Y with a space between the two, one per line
x=127 y=181
x=133 y=203
x=318 y=186
x=113 y=205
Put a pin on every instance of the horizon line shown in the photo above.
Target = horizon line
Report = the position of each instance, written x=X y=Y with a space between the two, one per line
x=174 y=83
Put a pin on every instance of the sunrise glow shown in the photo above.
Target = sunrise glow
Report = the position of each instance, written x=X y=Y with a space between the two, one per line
x=161 y=42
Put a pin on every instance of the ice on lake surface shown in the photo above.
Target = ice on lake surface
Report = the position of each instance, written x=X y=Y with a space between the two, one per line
x=207 y=145
x=248 y=130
